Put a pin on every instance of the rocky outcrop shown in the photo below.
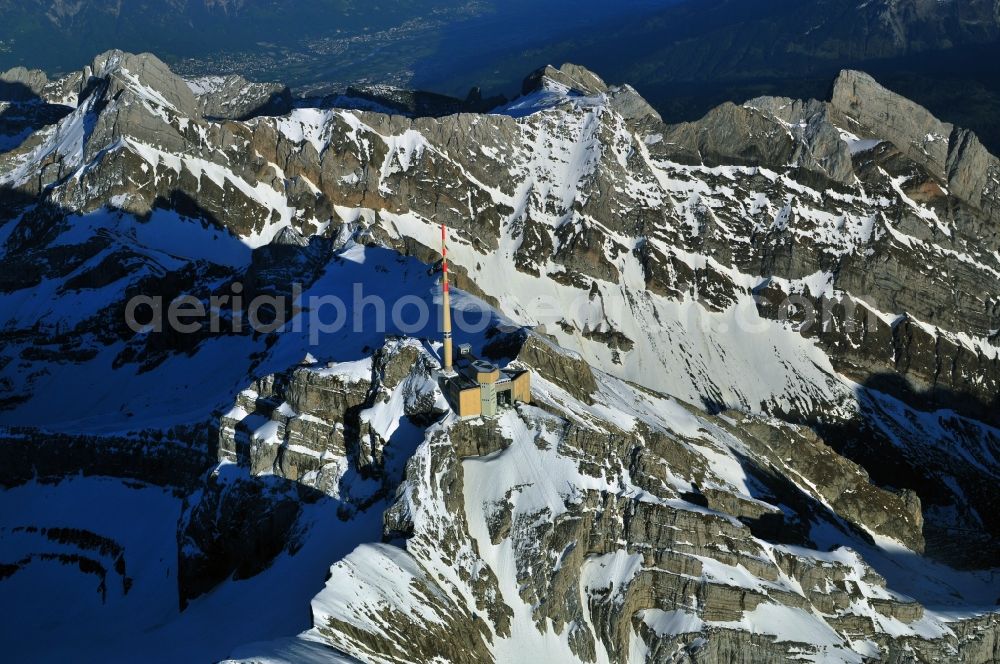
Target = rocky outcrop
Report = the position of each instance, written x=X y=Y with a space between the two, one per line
x=570 y=76
x=476 y=438
x=466 y=602
x=973 y=174
x=124 y=71
x=952 y=155
x=173 y=458
x=318 y=426
x=606 y=517
x=770 y=132
x=568 y=372
x=235 y=527
x=21 y=84
x=837 y=482
x=596 y=567
x=923 y=366
x=235 y=98
x=910 y=127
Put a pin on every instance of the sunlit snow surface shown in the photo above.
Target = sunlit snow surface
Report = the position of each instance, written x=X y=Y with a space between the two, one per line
x=373 y=578
x=257 y=619
x=682 y=349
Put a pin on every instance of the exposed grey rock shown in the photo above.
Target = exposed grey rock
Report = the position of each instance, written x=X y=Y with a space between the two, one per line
x=21 y=84
x=574 y=77
x=570 y=373
x=973 y=174
x=838 y=482
x=713 y=516
x=952 y=155
x=235 y=98
x=879 y=113
x=124 y=70
x=767 y=131
x=628 y=103
x=318 y=426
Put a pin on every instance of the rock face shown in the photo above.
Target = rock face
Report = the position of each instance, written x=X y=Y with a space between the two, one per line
x=21 y=84
x=235 y=98
x=911 y=128
x=763 y=350
x=28 y=101
x=306 y=425
x=570 y=373
x=570 y=76
x=564 y=570
x=768 y=131
x=952 y=155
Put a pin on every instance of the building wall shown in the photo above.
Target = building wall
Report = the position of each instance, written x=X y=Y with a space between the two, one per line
x=482 y=400
x=522 y=388
x=489 y=377
x=488 y=399
x=469 y=403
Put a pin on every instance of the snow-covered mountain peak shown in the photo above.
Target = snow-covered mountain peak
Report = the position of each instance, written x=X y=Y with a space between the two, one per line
x=762 y=349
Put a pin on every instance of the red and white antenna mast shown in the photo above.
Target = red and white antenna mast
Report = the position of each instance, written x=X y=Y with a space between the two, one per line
x=446 y=305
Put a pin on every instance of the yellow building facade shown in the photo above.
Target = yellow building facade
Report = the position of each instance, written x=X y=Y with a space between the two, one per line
x=480 y=388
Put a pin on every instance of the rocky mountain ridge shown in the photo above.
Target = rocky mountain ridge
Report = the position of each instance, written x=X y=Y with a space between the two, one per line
x=705 y=474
